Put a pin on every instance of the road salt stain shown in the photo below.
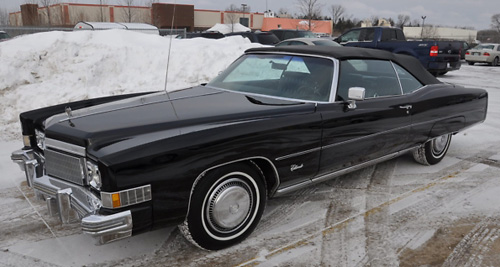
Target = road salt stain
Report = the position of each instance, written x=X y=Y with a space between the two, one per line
x=340 y=225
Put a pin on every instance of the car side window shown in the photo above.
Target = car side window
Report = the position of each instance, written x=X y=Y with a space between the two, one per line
x=352 y=36
x=367 y=35
x=377 y=77
x=409 y=83
x=498 y=48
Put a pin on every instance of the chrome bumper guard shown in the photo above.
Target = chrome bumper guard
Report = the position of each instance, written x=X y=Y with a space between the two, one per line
x=71 y=202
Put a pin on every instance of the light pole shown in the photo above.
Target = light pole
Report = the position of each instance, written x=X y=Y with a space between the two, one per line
x=423 y=24
x=243 y=7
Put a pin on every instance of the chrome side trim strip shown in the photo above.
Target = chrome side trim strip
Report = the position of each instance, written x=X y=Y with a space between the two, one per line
x=66 y=147
x=298 y=154
x=334 y=174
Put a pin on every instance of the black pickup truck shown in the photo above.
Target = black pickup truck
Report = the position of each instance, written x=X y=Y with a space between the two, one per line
x=438 y=57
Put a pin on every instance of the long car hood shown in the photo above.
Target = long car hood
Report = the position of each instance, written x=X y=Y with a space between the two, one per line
x=188 y=110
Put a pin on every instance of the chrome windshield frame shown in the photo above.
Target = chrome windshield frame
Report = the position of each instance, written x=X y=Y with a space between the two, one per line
x=333 y=87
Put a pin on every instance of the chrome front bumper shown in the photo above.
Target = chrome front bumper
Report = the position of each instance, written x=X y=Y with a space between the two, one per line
x=71 y=202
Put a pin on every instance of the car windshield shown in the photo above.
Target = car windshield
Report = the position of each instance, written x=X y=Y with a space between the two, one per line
x=284 y=76
x=326 y=43
x=306 y=34
x=484 y=47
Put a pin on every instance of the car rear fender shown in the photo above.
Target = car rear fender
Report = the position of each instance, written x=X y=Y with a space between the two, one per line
x=446 y=126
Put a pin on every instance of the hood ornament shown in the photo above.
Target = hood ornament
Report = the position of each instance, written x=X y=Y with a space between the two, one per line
x=68 y=112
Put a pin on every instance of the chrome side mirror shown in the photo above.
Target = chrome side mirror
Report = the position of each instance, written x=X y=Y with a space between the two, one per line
x=355 y=94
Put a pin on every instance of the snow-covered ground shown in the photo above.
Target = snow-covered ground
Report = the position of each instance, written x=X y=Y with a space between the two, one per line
x=395 y=213
x=44 y=69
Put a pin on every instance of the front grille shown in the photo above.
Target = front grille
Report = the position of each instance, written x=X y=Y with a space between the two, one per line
x=64 y=166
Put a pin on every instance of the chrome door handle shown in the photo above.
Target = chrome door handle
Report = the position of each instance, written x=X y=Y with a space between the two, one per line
x=405 y=107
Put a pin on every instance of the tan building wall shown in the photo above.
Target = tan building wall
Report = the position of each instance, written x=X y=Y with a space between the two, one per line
x=206 y=18
x=137 y=14
x=15 y=19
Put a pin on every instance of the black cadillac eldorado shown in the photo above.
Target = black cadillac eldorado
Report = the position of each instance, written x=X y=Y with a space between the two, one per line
x=208 y=157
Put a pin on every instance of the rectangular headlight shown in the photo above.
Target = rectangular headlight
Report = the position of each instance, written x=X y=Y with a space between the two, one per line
x=126 y=197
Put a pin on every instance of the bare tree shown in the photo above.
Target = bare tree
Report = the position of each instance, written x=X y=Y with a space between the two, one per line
x=403 y=20
x=495 y=22
x=338 y=12
x=282 y=12
x=231 y=15
x=128 y=12
x=102 y=17
x=310 y=9
x=429 y=32
x=46 y=9
x=4 y=16
x=374 y=20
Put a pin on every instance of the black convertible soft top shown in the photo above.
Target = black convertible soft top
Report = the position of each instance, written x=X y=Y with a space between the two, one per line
x=341 y=53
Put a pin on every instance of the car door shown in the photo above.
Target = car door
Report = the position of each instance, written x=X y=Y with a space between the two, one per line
x=378 y=126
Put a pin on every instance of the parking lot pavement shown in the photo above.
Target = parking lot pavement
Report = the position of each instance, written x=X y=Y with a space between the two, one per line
x=394 y=213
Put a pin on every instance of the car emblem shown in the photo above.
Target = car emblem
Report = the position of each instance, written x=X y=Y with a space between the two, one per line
x=449 y=51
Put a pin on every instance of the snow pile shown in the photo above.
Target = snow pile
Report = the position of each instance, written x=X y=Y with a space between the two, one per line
x=44 y=69
x=227 y=28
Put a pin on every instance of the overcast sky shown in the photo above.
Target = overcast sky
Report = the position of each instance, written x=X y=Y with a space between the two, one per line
x=451 y=13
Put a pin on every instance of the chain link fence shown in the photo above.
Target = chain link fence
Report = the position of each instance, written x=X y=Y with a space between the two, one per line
x=16 y=31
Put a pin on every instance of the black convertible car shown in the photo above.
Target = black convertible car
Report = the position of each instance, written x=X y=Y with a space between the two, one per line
x=209 y=157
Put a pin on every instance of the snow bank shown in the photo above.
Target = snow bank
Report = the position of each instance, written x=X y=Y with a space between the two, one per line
x=44 y=69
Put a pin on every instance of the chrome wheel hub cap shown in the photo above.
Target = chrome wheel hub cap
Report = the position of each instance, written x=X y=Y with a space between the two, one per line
x=229 y=205
x=439 y=144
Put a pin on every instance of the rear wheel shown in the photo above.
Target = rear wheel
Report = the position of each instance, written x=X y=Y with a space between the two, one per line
x=433 y=151
x=495 y=62
x=226 y=206
x=470 y=63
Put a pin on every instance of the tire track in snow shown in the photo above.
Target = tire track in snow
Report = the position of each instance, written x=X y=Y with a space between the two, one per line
x=470 y=251
x=335 y=228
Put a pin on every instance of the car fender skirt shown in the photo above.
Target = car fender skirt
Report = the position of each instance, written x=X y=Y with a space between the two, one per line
x=446 y=126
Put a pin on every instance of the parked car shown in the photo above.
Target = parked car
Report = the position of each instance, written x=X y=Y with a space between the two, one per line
x=438 y=57
x=276 y=120
x=4 y=36
x=283 y=34
x=208 y=35
x=266 y=38
x=484 y=53
x=308 y=41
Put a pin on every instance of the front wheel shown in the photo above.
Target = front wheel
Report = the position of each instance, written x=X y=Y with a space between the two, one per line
x=226 y=206
x=433 y=151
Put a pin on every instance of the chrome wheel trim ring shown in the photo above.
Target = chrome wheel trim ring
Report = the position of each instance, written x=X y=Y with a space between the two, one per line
x=247 y=221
